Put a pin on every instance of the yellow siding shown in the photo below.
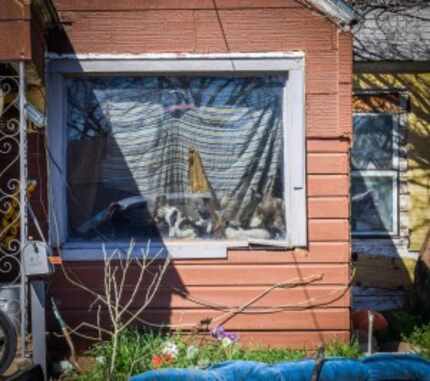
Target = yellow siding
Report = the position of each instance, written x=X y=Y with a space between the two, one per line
x=418 y=87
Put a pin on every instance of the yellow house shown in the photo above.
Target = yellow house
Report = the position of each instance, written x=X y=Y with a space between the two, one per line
x=390 y=158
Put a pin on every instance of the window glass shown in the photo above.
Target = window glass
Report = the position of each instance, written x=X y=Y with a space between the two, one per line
x=372 y=204
x=373 y=142
x=175 y=158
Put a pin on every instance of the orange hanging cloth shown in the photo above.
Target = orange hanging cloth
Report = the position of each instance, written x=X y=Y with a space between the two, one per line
x=197 y=179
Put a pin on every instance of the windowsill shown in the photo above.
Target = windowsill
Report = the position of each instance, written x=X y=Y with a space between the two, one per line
x=374 y=235
x=92 y=251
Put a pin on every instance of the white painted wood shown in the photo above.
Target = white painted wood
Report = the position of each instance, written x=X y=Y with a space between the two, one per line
x=84 y=251
x=173 y=56
x=56 y=161
x=176 y=63
x=268 y=244
x=229 y=64
x=294 y=156
x=38 y=324
x=337 y=10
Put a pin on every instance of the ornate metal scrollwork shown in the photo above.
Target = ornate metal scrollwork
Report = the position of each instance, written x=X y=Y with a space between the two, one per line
x=10 y=209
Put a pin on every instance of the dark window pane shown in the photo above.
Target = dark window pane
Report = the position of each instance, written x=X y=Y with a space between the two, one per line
x=372 y=204
x=175 y=158
x=373 y=143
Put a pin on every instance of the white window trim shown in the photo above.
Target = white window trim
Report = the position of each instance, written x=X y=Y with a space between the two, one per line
x=291 y=64
x=394 y=173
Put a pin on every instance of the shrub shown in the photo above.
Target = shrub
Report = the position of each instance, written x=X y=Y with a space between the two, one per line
x=401 y=324
x=420 y=339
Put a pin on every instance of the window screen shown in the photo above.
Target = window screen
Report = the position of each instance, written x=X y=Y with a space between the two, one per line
x=373 y=146
x=374 y=179
x=175 y=158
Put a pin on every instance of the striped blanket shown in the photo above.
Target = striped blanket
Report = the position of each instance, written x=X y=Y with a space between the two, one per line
x=151 y=126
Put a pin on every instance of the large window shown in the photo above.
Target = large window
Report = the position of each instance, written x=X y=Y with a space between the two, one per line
x=175 y=157
x=375 y=174
x=195 y=162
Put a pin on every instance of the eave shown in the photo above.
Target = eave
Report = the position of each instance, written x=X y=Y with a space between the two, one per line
x=337 y=10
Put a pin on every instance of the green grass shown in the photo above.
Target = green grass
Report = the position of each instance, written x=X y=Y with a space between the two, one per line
x=340 y=349
x=136 y=351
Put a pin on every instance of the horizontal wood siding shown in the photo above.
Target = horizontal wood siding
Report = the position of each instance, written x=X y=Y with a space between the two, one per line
x=329 y=207
x=328 y=163
x=295 y=339
x=192 y=286
x=262 y=29
x=328 y=185
x=226 y=274
x=310 y=319
x=135 y=5
x=327 y=295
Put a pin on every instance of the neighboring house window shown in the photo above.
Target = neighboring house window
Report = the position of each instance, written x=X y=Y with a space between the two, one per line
x=181 y=159
x=375 y=174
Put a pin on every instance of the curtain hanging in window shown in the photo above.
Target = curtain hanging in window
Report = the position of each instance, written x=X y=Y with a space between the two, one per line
x=203 y=156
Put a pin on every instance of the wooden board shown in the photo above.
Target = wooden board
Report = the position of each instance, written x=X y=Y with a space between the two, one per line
x=296 y=340
x=327 y=145
x=328 y=185
x=383 y=271
x=134 y=5
x=328 y=207
x=192 y=297
x=329 y=230
x=313 y=320
x=237 y=275
x=327 y=163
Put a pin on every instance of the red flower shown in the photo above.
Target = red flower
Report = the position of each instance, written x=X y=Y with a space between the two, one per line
x=156 y=361
x=159 y=361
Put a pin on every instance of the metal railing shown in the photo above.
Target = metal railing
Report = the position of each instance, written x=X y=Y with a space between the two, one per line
x=13 y=187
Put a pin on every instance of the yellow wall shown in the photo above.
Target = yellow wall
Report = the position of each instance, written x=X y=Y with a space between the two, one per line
x=418 y=87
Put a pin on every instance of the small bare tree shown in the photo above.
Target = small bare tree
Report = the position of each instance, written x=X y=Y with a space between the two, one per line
x=114 y=299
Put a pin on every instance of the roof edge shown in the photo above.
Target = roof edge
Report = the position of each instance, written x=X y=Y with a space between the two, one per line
x=338 y=10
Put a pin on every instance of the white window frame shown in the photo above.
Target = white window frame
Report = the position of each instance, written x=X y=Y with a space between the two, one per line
x=394 y=173
x=290 y=64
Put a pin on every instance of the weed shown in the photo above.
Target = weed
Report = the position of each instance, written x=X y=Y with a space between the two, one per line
x=338 y=348
x=420 y=339
x=142 y=351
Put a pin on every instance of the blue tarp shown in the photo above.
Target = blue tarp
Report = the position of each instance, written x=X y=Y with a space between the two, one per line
x=380 y=367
